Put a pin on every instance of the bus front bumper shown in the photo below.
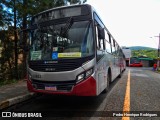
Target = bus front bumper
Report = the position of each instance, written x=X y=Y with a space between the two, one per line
x=84 y=88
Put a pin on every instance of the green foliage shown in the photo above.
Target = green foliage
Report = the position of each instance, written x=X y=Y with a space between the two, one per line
x=76 y=1
x=1 y=23
x=7 y=61
x=147 y=53
x=7 y=82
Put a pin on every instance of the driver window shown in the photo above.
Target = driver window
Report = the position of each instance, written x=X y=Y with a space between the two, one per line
x=100 y=43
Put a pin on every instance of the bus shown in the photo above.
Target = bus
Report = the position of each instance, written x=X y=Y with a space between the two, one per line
x=71 y=52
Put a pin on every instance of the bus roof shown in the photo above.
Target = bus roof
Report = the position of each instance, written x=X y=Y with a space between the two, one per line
x=61 y=7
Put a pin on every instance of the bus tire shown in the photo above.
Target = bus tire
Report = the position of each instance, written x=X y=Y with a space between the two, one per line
x=108 y=83
x=120 y=74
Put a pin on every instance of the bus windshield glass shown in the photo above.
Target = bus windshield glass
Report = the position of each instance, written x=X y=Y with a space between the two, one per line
x=65 y=40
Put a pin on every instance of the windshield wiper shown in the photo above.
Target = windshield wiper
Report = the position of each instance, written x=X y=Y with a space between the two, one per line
x=64 y=30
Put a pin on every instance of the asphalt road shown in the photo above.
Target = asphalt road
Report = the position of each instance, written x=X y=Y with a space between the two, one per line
x=137 y=91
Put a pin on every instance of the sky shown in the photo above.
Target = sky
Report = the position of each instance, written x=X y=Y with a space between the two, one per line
x=131 y=22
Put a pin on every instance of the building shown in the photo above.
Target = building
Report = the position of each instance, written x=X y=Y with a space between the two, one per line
x=127 y=53
x=146 y=62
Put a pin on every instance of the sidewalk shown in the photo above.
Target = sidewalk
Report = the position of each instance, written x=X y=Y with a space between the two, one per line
x=14 y=93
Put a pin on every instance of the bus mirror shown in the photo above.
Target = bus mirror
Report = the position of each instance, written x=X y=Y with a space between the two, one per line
x=101 y=33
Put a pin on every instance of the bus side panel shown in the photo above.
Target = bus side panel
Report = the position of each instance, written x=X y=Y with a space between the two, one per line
x=113 y=68
x=101 y=72
x=86 y=88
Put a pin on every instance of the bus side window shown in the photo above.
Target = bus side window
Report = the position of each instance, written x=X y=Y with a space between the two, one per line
x=100 y=42
x=101 y=33
x=100 y=38
x=110 y=41
x=119 y=52
x=116 y=48
x=107 y=43
x=113 y=46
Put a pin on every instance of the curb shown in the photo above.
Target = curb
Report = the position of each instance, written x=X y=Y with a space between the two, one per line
x=15 y=100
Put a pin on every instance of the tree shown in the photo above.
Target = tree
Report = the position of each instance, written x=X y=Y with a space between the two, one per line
x=10 y=5
x=15 y=39
x=1 y=10
x=77 y=1
x=6 y=37
x=14 y=16
x=148 y=53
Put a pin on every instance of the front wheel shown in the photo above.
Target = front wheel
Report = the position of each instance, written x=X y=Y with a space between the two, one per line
x=108 y=82
x=120 y=74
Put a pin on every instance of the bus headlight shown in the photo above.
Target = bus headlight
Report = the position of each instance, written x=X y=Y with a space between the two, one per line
x=80 y=77
x=84 y=75
x=89 y=73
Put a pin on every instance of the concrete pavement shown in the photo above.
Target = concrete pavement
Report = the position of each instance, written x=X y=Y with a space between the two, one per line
x=14 y=93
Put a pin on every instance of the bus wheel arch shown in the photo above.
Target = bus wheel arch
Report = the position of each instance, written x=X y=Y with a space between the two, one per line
x=109 y=74
x=120 y=73
x=108 y=80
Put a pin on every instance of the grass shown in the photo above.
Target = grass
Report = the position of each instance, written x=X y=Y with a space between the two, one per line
x=6 y=82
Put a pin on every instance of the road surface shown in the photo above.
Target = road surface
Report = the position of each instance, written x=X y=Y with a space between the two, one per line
x=134 y=96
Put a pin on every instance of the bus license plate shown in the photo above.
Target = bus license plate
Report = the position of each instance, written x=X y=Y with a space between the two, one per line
x=50 y=88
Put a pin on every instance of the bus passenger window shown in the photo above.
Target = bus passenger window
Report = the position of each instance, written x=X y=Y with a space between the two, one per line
x=108 y=46
x=117 y=49
x=113 y=46
x=102 y=44
x=107 y=43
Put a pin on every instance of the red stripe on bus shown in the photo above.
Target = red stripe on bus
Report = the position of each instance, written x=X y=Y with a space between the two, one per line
x=84 y=88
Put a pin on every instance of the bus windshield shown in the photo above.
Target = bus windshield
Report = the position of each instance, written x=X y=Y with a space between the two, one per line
x=65 y=40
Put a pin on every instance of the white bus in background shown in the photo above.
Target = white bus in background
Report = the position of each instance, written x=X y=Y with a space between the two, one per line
x=71 y=52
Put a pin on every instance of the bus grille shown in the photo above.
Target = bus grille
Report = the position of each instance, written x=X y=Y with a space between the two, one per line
x=54 y=67
x=60 y=85
x=59 y=65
